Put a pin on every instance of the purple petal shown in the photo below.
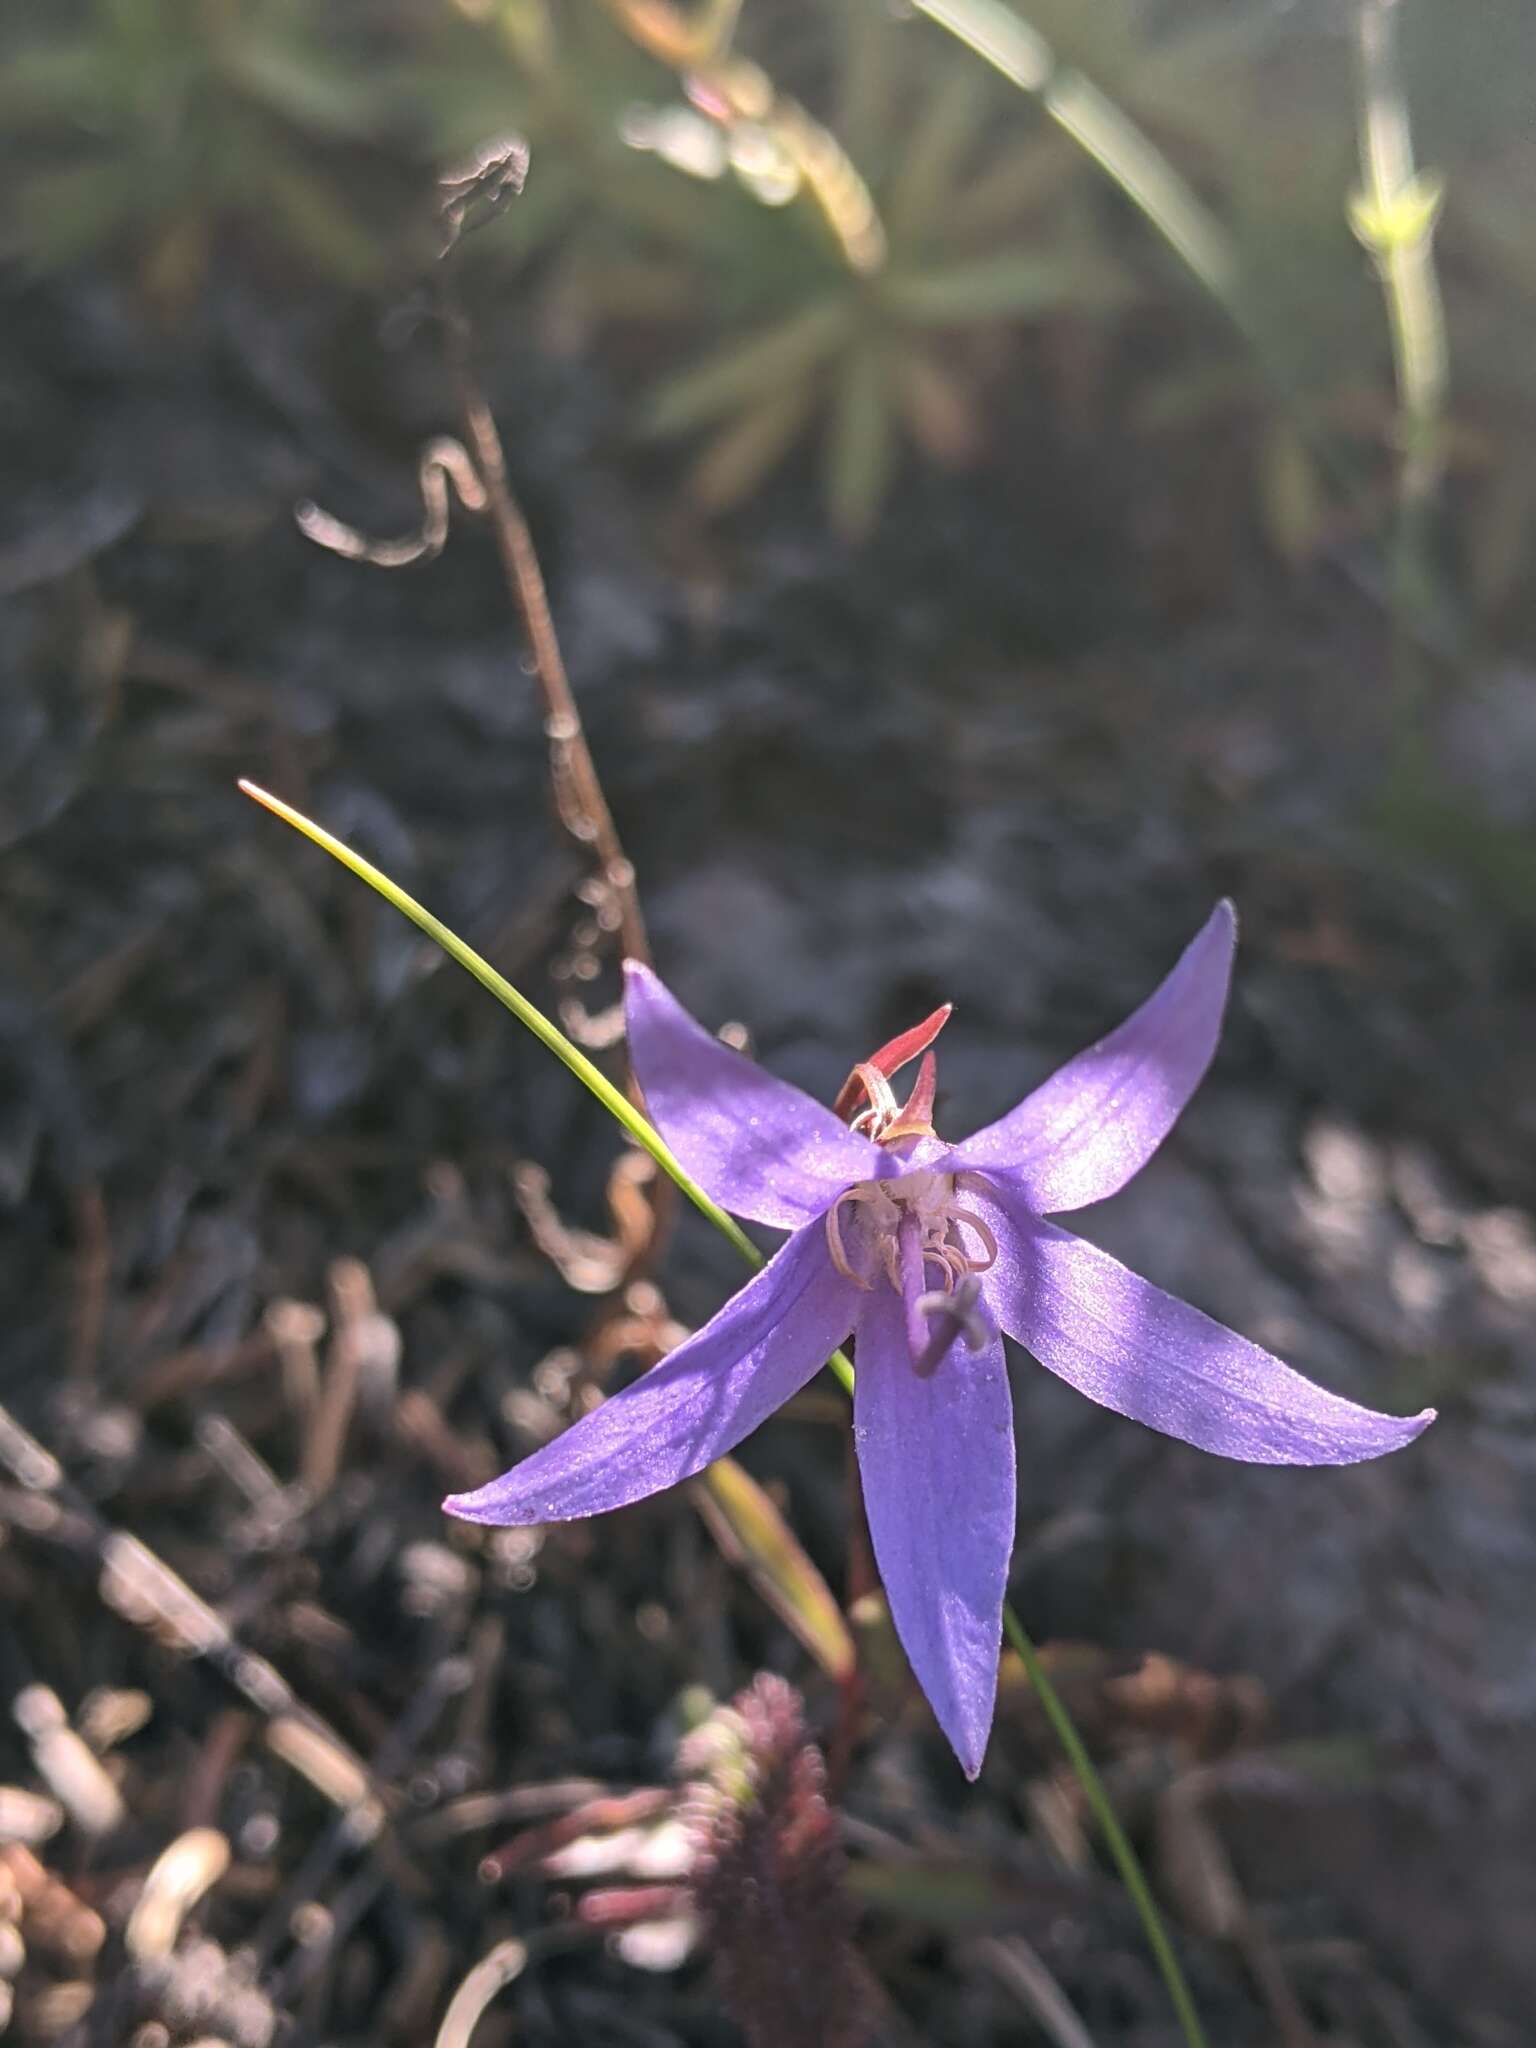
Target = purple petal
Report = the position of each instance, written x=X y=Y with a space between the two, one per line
x=1098 y=1120
x=757 y=1144
x=936 y=1458
x=700 y=1402
x=1131 y=1347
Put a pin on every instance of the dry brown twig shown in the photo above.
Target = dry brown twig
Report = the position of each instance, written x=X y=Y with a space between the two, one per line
x=473 y=469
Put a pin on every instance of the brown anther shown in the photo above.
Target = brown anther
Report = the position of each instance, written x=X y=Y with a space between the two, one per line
x=882 y=1099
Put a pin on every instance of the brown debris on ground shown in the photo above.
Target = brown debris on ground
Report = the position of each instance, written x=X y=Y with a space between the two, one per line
x=299 y=1237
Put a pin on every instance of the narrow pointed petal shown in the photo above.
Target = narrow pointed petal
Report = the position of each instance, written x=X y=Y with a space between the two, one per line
x=1098 y=1120
x=699 y=1403
x=936 y=1458
x=759 y=1145
x=1145 y=1354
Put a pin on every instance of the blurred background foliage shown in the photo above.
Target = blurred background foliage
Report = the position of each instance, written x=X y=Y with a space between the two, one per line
x=835 y=234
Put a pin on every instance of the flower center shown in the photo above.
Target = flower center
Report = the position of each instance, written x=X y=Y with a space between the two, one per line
x=920 y=1210
x=911 y=1228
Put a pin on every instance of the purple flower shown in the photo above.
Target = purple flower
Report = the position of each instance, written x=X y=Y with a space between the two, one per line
x=926 y=1253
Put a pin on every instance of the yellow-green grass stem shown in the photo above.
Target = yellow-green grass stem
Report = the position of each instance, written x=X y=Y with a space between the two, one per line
x=1394 y=215
x=549 y=1034
x=1102 y=1807
x=1107 y=134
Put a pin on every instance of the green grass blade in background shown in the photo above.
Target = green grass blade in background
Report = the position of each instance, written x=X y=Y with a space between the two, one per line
x=1107 y=134
x=754 y=1535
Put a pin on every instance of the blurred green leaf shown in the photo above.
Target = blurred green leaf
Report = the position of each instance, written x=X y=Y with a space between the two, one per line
x=1292 y=496
x=735 y=462
x=1014 y=285
x=737 y=374
x=297 y=84
x=1192 y=394
x=1498 y=533
x=1196 y=82
x=861 y=448
x=62 y=216
x=755 y=1536
x=999 y=35
x=529 y=31
x=958 y=1894
x=1493 y=210
x=319 y=223
x=926 y=173
x=1016 y=181
x=69 y=82
x=1349 y=1760
x=869 y=76
x=1422 y=814
x=936 y=410
x=1107 y=38
x=183 y=117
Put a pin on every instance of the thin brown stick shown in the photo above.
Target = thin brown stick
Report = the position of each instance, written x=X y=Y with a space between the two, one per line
x=93 y=1273
x=579 y=798
x=580 y=802
x=476 y=473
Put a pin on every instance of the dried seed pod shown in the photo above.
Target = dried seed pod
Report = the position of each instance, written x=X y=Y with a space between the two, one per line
x=326 y=1765
x=179 y=1877
x=23 y=1875
x=54 y=2009
x=55 y=1919
x=28 y=1816
x=13 y=1950
x=494 y=1971
x=768 y=1879
x=65 y=1763
x=112 y=1713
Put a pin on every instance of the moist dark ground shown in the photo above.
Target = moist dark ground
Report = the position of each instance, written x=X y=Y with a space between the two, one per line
x=1008 y=756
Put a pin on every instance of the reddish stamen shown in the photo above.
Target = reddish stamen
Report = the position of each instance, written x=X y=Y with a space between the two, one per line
x=915 y=1117
x=896 y=1053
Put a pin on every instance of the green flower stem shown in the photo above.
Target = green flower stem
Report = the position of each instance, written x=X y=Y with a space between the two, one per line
x=548 y=1034
x=646 y=1136
x=1126 y=1861
x=1396 y=221
x=1394 y=216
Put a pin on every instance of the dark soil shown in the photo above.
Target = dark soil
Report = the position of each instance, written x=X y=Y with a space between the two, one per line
x=1008 y=756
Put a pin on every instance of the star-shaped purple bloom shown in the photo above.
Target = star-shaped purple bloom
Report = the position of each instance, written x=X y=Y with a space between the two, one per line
x=926 y=1253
